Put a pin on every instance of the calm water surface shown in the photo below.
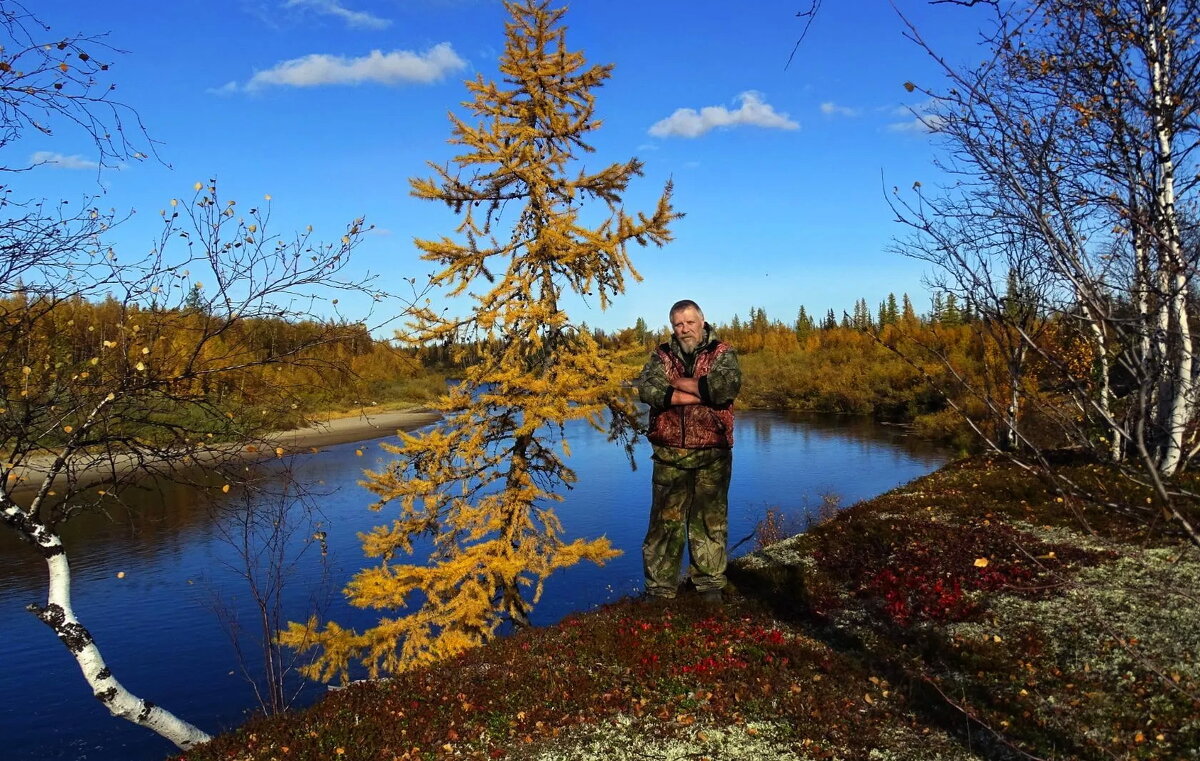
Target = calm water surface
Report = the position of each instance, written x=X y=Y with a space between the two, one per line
x=156 y=624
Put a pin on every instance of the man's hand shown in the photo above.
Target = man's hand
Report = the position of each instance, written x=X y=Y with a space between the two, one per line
x=687 y=385
x=683 y=398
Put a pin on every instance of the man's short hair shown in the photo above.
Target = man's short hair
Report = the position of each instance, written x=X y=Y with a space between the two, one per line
x=683 y=304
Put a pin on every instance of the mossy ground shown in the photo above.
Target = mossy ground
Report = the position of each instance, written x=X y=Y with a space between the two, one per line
x=966 y=615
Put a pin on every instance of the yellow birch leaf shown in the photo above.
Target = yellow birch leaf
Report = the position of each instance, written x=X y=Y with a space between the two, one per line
x=981 y=562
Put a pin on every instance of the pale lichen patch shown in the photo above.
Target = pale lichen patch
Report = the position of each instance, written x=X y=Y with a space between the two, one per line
x=620 y=739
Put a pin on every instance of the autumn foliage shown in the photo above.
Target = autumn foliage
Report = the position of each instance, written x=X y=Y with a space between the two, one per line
x=481 y=484
x=948 y=373
x=201 y=375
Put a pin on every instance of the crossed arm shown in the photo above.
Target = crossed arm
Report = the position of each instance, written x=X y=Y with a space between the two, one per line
x=687 y=391
x=722 y=386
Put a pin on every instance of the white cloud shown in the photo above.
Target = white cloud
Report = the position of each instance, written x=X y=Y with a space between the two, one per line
x=919 y=124
x=754 y=111
x=358 y=19
x=829 y=108
x=226 y=89
x=396 y=67
x=60 y=161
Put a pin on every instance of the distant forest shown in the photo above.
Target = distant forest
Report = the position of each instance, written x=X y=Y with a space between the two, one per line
x=888 y=362
x=245 y=367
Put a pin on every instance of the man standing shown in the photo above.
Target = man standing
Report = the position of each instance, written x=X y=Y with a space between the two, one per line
x=690 y=384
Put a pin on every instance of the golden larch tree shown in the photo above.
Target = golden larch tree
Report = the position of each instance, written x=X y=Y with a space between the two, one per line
x=482 y=483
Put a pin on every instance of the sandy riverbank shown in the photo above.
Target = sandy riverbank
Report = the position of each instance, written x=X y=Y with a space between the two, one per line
x=360 y=427
x=88 y=470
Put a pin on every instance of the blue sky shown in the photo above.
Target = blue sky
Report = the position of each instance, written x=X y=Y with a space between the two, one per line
x=330 y=106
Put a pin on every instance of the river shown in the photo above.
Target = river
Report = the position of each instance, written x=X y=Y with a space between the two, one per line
x=148 y=586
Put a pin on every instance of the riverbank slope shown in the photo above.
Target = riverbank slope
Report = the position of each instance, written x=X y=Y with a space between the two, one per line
x=966 y=615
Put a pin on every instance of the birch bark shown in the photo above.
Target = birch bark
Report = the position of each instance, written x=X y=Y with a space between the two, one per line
x=1159 y=59
x=1103 y=399
x=59 y=615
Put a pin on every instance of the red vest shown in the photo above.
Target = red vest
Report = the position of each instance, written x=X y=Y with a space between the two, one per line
x=692 y=426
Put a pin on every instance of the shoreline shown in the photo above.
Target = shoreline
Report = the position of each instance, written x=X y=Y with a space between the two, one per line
x=358 y=427
x=298 y=441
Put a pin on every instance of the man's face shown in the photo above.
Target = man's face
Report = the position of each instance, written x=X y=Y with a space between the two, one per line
x=688 y=325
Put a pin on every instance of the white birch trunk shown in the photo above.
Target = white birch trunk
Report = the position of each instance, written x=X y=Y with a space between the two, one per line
x=1014 y=409
x=1147 y=363
x=1103 y=400
x=59 y=615
x=1178 y=413
x=1163 y=363
x=1160 y=62
x=1010 y=440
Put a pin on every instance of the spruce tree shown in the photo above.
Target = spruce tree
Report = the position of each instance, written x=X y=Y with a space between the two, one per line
x=937 y=311
x=483 y=481
x=830 y=321
x=641 y=331
x=862 y=315
x=759 y=325
x=804 y=323
x=951 y=314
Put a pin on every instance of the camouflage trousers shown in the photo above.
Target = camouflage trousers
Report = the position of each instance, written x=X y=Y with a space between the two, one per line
x=690 y=506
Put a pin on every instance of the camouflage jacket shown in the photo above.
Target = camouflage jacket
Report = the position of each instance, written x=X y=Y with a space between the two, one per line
x=677 y=431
